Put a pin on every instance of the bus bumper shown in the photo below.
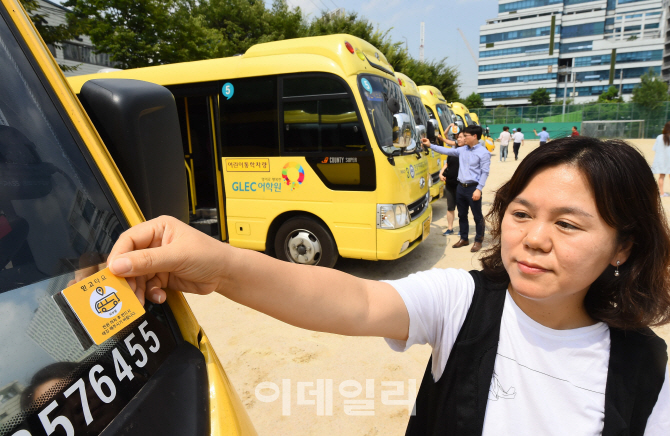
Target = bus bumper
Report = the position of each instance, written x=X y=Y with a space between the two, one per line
x=437 y=191
x=393 y=244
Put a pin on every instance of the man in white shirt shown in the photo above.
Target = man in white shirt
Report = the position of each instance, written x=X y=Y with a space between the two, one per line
x=518 y=142
x=504 y=139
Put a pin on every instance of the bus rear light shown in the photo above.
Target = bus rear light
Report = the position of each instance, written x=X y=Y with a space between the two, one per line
x=399 y=81
x=349 y=47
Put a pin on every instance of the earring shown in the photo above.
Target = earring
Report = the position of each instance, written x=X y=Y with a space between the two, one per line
x=616 y=273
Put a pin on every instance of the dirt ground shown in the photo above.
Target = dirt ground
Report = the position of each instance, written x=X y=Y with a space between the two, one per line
x=255 y=348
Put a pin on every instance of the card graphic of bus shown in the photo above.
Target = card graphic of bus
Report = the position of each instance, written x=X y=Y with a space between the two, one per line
x=107 y=303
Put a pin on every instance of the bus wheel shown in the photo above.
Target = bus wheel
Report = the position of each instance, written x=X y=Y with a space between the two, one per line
x=305 y=241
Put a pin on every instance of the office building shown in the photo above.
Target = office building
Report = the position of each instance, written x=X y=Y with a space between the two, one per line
x=80 y=52
x=589 y=44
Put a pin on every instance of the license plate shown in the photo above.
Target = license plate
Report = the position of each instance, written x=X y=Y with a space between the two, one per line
x=426 y=229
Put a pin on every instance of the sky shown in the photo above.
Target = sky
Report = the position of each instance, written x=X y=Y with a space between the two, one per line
x=442 y=21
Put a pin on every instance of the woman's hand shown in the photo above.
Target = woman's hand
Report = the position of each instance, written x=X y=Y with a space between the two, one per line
x=444 y=179
x=166 y=253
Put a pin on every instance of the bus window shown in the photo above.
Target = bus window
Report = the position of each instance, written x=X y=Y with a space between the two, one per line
x=443 y=114
x=377 y=105
x=249 y=126
x=55 y=219
x=324 y=125
x=306 y=86
x=469 y=120
x=419 y=115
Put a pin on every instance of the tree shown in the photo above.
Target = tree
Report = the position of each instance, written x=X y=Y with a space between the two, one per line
x=52 y=35
x=651 y=91
x=540 y=97
x=610 y=96
x=473 y=101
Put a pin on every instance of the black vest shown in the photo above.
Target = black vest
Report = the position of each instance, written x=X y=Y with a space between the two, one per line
x=456 y=403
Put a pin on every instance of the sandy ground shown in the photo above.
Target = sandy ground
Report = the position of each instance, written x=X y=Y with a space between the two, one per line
x=255 y=348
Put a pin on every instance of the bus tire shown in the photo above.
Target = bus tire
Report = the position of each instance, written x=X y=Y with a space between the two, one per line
x=305 y=241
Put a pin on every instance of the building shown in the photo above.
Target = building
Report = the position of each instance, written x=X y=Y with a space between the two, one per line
x=665 y=72
x=592 y=42
x=78 y=53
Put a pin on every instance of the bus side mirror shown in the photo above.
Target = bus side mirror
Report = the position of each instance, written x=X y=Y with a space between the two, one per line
x=138 y=123
x=402 y=130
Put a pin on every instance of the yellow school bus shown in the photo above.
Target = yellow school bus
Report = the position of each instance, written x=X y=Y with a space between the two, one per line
x=475 y=118
x=303 y=148
x=438 y=109
x=63 y=203
x=421 y=117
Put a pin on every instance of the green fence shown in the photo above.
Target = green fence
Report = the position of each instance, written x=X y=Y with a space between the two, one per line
x=655 y=117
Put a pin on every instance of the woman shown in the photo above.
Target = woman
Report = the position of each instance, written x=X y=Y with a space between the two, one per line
x=448 y=175
x=661 y=165
x=550 y=338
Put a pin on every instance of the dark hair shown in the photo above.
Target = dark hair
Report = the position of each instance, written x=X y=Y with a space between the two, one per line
x=544 y=128
x=518 y=129
x=575 y=127
x=59 y=371
x=474 y=130
x=505 y=128
x=628 y=200
x=666 y=133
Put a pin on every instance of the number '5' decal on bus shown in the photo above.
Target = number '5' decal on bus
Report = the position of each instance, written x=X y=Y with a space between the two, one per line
x=102 y=385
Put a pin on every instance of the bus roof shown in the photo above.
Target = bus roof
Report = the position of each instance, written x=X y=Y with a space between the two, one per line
x=407 y=85
x=314 y=54
x=460 y=107
x=432 y=94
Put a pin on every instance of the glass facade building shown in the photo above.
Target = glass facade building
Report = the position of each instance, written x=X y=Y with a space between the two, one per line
x=576 y=46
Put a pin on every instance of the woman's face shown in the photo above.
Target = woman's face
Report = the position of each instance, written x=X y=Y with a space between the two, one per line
x=461 y=139
x=554 y=243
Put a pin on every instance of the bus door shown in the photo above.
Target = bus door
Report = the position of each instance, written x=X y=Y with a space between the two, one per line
x=197 y=109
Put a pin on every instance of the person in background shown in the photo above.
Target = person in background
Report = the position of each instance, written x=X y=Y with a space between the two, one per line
x=504 y=139
x=661 y=165
x=449 y=175
x=474 y=164
x=544 y=136
x=575 y=132
x=518 y=142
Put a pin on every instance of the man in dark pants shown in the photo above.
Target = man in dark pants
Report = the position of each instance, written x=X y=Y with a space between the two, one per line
x=475 y=161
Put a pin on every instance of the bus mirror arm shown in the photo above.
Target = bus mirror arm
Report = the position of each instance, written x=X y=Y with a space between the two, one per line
x=138 y=123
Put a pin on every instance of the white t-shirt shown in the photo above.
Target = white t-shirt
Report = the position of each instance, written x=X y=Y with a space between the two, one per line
x=504 y=137
x=518 y=137
x=545 y=381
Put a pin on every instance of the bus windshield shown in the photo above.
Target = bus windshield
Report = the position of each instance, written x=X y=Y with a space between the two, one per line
x=469 y=120
x=418 y=109
x=55 y=221
x=376 y=93
x=444 y=114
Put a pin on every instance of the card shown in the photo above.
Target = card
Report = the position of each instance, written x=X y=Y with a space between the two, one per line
x=99 y=307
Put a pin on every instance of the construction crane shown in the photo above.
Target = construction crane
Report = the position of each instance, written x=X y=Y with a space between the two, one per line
x=423 y=31
x=467 y=44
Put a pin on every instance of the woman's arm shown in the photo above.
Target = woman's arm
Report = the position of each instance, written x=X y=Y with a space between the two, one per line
x=166 y=253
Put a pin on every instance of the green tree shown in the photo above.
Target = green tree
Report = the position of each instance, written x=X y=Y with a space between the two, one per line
x=473 y=101
x=610 y=96
x=146 y=32
x=651 y=92
x=540 y=97
x=52 y=35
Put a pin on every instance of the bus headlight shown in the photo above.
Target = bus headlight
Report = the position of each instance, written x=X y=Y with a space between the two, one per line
x=430 y=181
x=392 y=216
